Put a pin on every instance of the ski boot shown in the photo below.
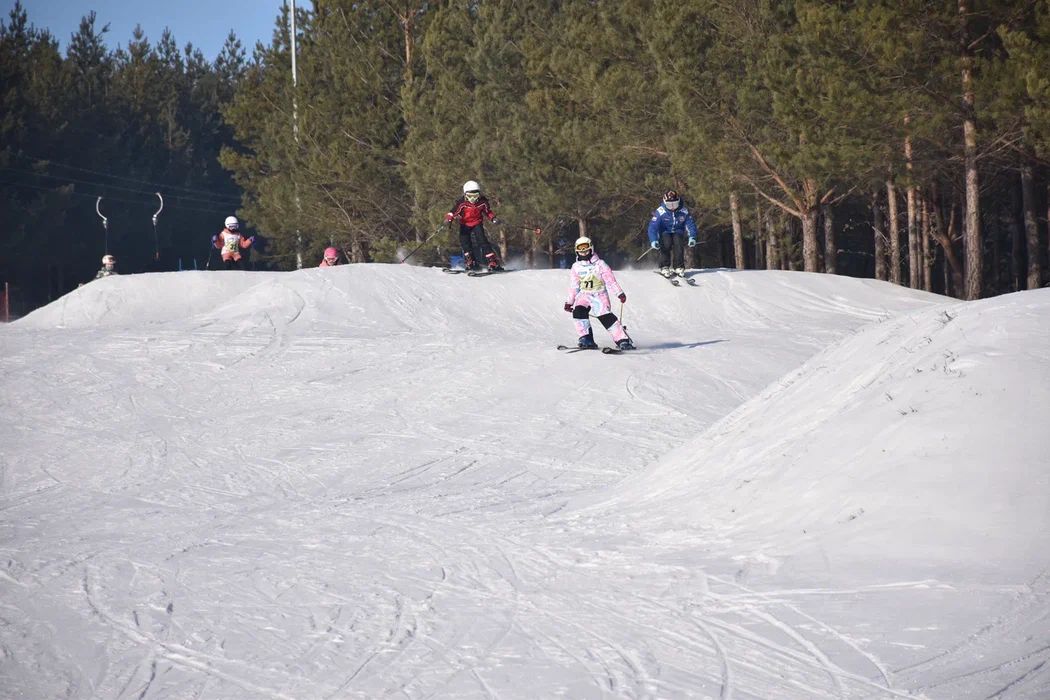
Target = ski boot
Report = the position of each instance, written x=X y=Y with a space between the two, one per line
x=666 y=272
x=624 y=344
x=680 y=271
x=586 y=342
x=494 y=265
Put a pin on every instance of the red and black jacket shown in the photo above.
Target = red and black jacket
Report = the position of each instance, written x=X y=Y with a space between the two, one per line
x=470 y=214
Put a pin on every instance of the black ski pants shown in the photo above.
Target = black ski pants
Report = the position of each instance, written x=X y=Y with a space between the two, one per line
x=475 y=244
x=672 y=249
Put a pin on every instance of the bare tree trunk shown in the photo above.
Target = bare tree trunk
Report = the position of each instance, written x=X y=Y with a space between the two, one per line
x=810 y=246
x=993 y=235
x=895 y=232
x=1017 y=265
x=879 y=234
x=503 y=244
x=914 y=261
x=831 y=246
x=358 y=249
x=531 y=244
x=759 y=240
x=927 y=253
x=772 y=249
x=550 y=251
x=1031 y=227
x=946 y=237
x=972 y=216
x=738 y=232
x=582 y=223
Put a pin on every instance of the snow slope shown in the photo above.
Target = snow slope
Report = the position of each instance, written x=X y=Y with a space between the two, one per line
x=383 y=481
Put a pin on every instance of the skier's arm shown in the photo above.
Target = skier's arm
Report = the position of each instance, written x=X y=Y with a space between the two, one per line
x=690 y=225
x=610 y=279
x=654 y=228
x=455 y=211
x=574 y=286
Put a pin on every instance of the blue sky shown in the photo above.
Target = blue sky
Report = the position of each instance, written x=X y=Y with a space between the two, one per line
x=205 y=23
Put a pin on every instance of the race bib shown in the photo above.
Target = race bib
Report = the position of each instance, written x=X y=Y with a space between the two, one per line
x=229 y=244
x=591 y=281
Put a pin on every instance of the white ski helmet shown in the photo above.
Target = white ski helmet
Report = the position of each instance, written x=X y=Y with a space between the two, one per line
x=471 y=186
x=584 y=248
x=232 y=223
x=109 y=260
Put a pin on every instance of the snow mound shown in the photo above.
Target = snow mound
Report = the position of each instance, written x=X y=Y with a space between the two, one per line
x=920 y=439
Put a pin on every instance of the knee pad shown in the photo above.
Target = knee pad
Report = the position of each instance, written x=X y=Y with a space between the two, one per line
x=607 y=320
x=581 y=312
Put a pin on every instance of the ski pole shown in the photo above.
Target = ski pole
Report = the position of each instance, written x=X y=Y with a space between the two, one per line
x=156 y=239
x=647 y=251
x=416 y=249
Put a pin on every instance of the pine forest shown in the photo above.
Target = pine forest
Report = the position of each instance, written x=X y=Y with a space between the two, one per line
x=903 y=140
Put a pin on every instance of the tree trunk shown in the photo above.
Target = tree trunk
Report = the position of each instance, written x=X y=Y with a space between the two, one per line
x=915 y=265
x=972 y=214
x=738 y=232
x=760 y=242
x=358 y=249
x=879 y=234
x=895 y=232
x=831 y=246
x=927 y=253
x=810 y=249
x=945 y=236
x=550 y=252
x=1017 y=264
x=582 y=223
x=915 y=262
x=1031 y=227
x=772 y=249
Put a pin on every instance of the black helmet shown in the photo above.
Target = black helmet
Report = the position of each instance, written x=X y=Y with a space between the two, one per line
x=671 y=199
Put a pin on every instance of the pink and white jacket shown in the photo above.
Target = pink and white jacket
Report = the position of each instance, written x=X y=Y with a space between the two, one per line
x=592 y=278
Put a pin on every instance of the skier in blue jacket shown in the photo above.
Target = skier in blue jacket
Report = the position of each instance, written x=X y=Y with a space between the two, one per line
x=669 y=229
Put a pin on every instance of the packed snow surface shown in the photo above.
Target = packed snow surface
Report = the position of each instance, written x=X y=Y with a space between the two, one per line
x=380 y=481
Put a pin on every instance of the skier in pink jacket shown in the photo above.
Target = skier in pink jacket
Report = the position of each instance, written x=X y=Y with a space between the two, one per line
x=331 y=257
x=591 y=281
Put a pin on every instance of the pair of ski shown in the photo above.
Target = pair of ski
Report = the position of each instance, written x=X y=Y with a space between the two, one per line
x=674 y=278
x=605 y=351
x=470 y=273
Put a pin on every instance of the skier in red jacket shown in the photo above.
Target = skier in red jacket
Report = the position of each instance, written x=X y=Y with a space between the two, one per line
x=472 y=209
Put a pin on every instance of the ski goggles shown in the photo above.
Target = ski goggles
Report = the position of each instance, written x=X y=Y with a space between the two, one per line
x=583 y=248
x=330 y=261
x=472 y=196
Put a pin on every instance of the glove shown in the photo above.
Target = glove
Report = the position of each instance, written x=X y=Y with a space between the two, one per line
x=655 y=245
x=622 y=298
x=251 y=240
x=496 y=221
x=449 y=218
x=568 y=307
x=692 y=242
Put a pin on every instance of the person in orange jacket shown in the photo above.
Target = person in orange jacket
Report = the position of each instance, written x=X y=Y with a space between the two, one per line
x=230 y=241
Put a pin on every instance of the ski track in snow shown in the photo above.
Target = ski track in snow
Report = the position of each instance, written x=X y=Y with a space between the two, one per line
x=359 y=483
